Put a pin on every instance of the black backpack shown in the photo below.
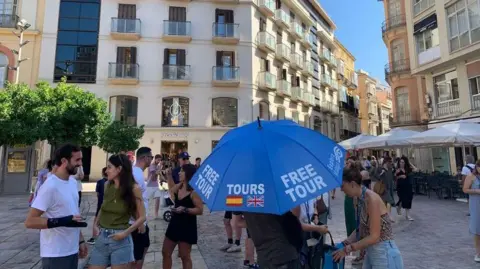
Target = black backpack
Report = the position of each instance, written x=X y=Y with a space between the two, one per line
x=293 y=230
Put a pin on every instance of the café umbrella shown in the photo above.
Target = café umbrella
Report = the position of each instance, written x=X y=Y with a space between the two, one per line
x=268 y=167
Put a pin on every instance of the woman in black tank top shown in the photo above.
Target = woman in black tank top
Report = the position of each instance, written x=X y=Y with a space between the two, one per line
x=182 y=229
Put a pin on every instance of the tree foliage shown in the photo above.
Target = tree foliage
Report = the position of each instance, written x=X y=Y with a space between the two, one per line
x=119 y=137
x=22 y=116
x=73 y=114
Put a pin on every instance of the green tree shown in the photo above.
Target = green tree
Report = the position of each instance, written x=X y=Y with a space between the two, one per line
x=72 y=114
x=119 y=137
x=22 y=116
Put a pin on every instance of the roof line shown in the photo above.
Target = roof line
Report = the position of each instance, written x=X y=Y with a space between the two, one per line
x=322 y=12
x=345 y=49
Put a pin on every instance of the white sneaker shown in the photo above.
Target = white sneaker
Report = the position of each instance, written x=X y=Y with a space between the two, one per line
x=225 y=247
x=477 y=258
x=234 y=248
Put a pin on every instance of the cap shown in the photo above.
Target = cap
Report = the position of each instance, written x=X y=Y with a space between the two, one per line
x=183 y=155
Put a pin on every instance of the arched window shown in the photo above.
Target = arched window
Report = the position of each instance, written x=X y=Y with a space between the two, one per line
x=317 y=124
x=225 y=112
x=280 y=113
x=175 y=111
x=263 y=110
x=3 y=69
x=124 y=108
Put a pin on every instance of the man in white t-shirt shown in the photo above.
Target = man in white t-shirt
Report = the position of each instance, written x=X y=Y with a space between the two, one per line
x=141 y=237
x=61 y=240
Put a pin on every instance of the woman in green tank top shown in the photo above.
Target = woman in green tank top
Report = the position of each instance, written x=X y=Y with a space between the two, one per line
x=122 y=201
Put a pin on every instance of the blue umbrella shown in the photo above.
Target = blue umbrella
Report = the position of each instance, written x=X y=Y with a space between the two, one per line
x=268 y=167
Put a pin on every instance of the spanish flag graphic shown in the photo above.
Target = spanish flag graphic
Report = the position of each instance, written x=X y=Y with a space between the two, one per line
x=234 y=200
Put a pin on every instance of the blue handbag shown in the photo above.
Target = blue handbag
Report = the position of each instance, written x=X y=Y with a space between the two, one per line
x=328 y=250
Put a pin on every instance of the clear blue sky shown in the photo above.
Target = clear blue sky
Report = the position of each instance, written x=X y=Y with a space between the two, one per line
x=359 y=30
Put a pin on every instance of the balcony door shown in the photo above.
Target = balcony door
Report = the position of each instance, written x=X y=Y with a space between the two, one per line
x=126 y=62
x=398 y=56
x=225 y=65
x=127 y=15
x=174 y=62
x=177 y=16
x=403 y=106
x=394 y=12
x=224 y=23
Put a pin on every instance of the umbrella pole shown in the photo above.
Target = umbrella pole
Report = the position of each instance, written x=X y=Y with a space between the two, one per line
x=463 y=154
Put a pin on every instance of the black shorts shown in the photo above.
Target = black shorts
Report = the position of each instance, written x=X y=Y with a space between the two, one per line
x=228 y=214
x=140 y=242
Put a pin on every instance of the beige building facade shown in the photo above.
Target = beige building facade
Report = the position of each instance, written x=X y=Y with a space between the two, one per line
x=191 y=71
x=367 y=91
x=348 y=97
x=408 y=91
x=444 y=51
x=17 y=164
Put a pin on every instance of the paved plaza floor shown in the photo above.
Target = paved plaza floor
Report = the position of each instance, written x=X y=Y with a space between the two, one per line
x=437 y=239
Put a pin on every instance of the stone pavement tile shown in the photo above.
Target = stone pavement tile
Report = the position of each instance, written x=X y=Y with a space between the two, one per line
x=7 y=254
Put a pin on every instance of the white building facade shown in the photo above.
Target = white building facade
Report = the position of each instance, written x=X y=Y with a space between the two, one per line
x=187 y=71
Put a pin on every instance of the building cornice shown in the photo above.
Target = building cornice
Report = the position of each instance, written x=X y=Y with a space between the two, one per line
x=324 y=14
x=340 y=45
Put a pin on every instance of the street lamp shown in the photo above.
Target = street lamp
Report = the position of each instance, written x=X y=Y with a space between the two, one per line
x=21 y=27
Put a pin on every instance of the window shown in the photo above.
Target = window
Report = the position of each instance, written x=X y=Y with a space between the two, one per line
x=124 y=109
x=317 y=124
x=334 y=131
x=3 y=69
x=224 y=20
x=474 y=85
x=264 y=65
x=214 y=144
x=262 y=25
x=174 y=64
x=446 y=87
x=8 y=13
x=77 y=41
x=175 y=112
x=126 y=65
x=427 y=40
x=263 y=110
x=463 y=23
x=224 y=112
x=280 y=113
x=295 y=116
x=225 y=66
x=421 y=5
x=306 y=120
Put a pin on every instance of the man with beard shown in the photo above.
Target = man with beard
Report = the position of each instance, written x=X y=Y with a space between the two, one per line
x=61 y=241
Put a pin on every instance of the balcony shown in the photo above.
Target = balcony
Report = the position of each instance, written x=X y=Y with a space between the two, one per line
x=266 y=7
x=308 y=99
x=297 y=30
x=397 y=68
x=334 y=85
x=296 y=93
x=406 y=117
x=308 y=68
x=325 y=34
x=392 y=23
x=225 y=33
x=476 y=102
x=123 y=74
x=283 y=88
x=448 y=108
x=329 y=58
x=266 y=42
x=296 y=61
x=283 y=53
x=329 y=107
x=177 y=31
x=267 y=81
x=176 y=75
x=225 y=76
x=126 y=29
x=8 y=21
x=282 y=19
x=326 y=80
x=307 y=41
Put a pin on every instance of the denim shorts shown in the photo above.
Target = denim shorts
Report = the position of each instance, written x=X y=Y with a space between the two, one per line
x=383 y=255
x=108 y=251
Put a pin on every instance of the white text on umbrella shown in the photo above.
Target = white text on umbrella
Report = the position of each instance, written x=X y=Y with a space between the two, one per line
x=206 y=180
x=302 y=181
x=246 y=189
